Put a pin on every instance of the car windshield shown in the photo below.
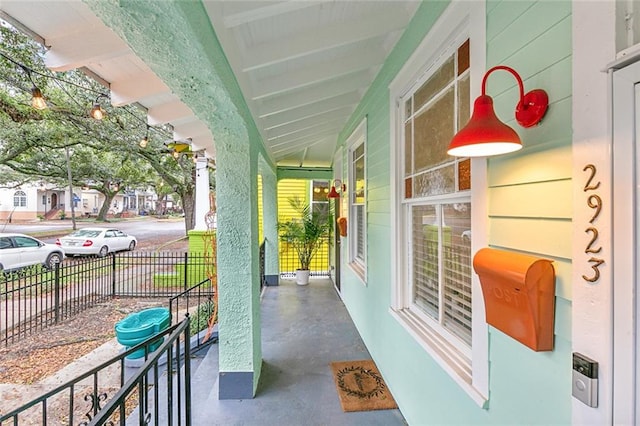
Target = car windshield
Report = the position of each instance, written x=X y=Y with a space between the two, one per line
x=86 y=233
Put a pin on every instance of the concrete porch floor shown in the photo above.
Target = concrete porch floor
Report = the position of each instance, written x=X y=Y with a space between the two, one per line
x=304 y=328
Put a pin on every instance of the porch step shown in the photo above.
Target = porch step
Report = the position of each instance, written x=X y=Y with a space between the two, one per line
x=203 y=382
x=204 y=374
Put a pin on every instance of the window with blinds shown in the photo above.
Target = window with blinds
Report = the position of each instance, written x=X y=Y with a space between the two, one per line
x=357 y=201
x=436 y=199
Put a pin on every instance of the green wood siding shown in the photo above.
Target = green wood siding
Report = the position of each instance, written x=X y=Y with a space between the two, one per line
x=529 y=210
x=530 y=198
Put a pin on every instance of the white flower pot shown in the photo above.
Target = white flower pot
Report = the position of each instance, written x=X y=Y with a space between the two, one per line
x=302 y=276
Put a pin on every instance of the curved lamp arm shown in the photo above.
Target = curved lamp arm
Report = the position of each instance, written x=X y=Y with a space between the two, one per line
x=532 y=105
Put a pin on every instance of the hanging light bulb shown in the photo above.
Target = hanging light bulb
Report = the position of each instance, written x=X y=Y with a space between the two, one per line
x=176 y=154
x=37 y=100
x=144 y=142
x=97 y=112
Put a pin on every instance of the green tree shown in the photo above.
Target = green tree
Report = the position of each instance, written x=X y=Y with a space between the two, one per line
x=105 y=156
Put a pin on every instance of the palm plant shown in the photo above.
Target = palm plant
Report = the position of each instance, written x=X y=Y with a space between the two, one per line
x=306 y=233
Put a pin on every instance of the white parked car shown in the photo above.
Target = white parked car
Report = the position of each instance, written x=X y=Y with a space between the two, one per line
x=19 y=250
x=98 y=241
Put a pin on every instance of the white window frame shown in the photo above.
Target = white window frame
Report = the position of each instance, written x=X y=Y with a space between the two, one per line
x=470 y=371
x=19 y=198
x=358 y=137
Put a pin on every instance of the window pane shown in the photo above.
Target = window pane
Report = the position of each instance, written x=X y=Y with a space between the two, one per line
x=408 y=188
x=457 y=269
x=424 y=243
x=433 y=131
x=320 y=190
x=463 y=57
x=435 y=84
x=5 y=243
x=359 y=175
x=464 y=175
x=25 y=242
x=435 y=182
x=360 y=231
x=464 y=101
x=408 y=154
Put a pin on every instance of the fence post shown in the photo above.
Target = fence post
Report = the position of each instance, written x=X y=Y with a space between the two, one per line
x=186 y=268
x=56 y=280
x=113 y=275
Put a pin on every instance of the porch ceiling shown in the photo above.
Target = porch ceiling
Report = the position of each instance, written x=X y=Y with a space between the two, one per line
x=302 y=66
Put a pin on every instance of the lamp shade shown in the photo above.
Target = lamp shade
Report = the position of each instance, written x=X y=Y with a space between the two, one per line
x=484 y=135
x=333 y=193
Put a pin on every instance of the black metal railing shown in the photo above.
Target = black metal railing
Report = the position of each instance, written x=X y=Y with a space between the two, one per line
x=198 y=303
x=157 y=274
x=263 y=280
x=159 y=392
x=32 y=299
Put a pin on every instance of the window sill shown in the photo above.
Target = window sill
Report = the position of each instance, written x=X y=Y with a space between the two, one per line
x=358 y=269
x=457 y=365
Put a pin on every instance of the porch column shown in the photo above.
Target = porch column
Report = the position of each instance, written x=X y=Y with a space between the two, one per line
x=202 y=194
x=238 y=267
x=270 y=226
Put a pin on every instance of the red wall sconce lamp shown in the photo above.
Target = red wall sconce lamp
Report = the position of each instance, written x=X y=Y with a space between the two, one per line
x=337 y=189
x=485 y=135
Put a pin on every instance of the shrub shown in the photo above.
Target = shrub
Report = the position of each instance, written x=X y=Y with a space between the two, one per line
x=200 y=318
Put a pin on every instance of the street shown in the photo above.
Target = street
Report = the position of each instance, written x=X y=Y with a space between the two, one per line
x=144 y=229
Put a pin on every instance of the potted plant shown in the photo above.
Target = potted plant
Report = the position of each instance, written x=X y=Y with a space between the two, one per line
x=305 y=234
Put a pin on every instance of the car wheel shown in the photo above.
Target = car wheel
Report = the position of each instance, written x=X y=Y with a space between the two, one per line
x=104 y=250
x=52 y=259
x=132 y=245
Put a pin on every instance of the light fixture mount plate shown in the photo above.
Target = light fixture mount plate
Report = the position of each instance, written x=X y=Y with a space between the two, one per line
x=532 y=108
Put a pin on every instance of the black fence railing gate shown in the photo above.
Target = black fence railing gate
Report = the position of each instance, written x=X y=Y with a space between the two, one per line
x=35 y=298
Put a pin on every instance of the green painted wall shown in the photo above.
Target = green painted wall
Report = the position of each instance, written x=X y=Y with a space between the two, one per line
x=268 y=188
x=529 y=209
x=178 y=43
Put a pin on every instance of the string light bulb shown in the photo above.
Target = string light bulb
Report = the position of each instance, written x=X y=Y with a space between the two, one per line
x=37 y=100
x=145 y=140
x=97 y=112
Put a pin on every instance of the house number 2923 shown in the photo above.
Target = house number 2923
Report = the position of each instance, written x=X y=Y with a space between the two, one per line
x=594 y=202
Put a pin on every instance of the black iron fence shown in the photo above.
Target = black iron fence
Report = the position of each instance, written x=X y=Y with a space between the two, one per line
x=159 y=392
x=34 y=298
x=198 y=302
x=161 y=274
